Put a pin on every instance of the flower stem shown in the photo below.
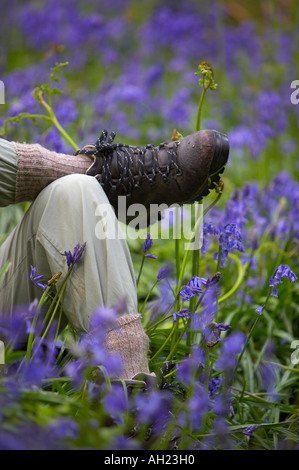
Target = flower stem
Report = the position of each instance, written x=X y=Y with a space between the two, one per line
x=163 y=345
x=207 y=366
x=140 y=270
x=177 y=241
x=252 y=330
x=147 y=297
x=63 y=132
x=199 y=112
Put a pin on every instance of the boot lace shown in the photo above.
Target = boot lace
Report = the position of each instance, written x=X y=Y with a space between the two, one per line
x=130 y=162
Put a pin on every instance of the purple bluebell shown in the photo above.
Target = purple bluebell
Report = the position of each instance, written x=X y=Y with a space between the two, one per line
x=41 y=366
x=187 y=293
x=222 y=403
x=64 y=428
x=163 y=302
x=75 y=370
x=163 y=273
x=35 y=278
x=91 y=350
x=229 y=240
x=260 y=309
x=151 y=256
x=14 y=327
x=191 y=367
x=148 y=243
x=283 y=271
x=198 y=406
x=250 y=430
x=230 y=348
x=214 y=386
x=204 y=320
x=73 y=258
x=154 y=409
x=222 y=327
x=116 y=403
x=214 y=330
x=183 y=313
x=196 y=284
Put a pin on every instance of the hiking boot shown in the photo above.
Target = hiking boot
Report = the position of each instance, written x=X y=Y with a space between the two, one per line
x=175 y=172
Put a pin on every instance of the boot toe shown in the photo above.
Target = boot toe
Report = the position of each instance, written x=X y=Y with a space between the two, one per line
x=221 y=152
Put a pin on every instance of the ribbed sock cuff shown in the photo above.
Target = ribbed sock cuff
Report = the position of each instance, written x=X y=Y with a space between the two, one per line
x=129 y=340
x=38 y=167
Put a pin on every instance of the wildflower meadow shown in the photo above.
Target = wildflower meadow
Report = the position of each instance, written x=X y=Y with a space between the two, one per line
x=223 y=318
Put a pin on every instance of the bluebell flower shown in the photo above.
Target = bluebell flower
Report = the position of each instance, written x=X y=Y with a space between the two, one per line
x=260 y=309
x=148 y=243
x=153 y=408
x=75 y=370
x=214 y=386
x=183 y=313
x=222 y=405
x=198 y=406
x=35 y=278
x=73 y=258
x=196 y=284
x=163 y=302
x=64 y=428
x=209 y=230
x=29 y=328
x=231 y=347
x=274 y=292
x=150 y=256
x=187 y=293
x=163 y=273
x=229 y=240
x=283 y=271
x=116 y=403
x=41 y=366
x=222 y=327
x=14 y=328
x=187 y=369
x=215 y=330
x=250 y=430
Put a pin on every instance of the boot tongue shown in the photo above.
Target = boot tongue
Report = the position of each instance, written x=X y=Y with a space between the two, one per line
x=139 y=160
x=155 y=157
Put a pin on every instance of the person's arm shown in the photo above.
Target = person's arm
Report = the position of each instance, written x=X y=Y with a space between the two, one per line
x=8 y=172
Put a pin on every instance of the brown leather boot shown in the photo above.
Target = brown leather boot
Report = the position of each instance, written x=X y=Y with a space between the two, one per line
x=181 y=171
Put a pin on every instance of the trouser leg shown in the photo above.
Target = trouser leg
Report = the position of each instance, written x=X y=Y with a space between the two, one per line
x=74 y=209
x=8 y=172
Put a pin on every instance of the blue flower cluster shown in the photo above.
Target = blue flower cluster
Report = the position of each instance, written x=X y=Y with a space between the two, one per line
x=132 y=74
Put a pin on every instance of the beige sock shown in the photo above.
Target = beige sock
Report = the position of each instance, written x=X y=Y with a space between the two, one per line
x=131 y=343
x=38 y=167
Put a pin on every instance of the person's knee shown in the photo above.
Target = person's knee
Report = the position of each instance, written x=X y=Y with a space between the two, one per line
x=73 y=190
x=71 y=186
x=74 y=199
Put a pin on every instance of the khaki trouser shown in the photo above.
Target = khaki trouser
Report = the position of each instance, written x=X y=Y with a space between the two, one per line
x=64 y=214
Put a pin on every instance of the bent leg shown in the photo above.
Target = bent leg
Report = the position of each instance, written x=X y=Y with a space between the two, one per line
x=73 y=209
